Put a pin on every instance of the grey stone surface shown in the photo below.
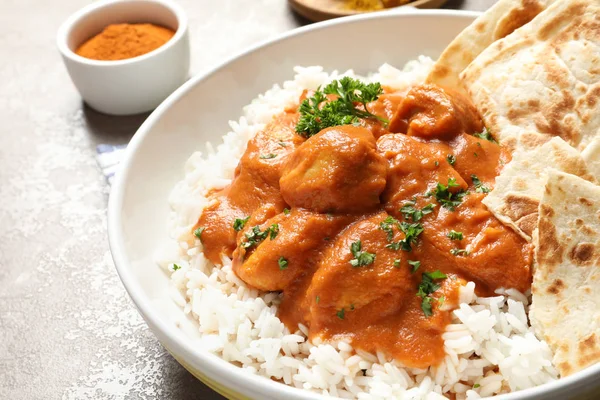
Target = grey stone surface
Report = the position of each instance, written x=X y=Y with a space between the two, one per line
x=67 y=328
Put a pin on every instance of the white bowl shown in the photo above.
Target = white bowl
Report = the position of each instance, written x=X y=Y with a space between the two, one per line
x=132 y=85
x=198 y=112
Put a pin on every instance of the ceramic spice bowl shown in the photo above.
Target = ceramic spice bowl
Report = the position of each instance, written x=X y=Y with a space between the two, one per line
x=133 y=85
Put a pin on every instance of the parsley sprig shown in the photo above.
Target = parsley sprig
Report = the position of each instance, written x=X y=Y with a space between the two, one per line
x=445 y=197
x=479 y=186
x=315 y=117
x=485 y=134
x=255 y=236
x=409 y=210
x=239 y=223
x=426 y=288
x=411 y=233
x=361 y=258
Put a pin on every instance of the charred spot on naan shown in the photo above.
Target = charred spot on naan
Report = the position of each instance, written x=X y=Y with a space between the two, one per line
x=582 y=254
x=549 y=250
x=556 y=287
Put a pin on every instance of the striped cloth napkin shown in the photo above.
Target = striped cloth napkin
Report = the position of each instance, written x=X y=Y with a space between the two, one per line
x=108 y=158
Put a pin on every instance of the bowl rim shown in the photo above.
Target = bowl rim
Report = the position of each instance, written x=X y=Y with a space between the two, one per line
x=66 y=29
x=216 y=365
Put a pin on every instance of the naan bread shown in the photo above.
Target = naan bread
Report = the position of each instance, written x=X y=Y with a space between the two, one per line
x=591 y=156
x=519 y=188
x=566 y=284
x=544 y=78
x=500 y=20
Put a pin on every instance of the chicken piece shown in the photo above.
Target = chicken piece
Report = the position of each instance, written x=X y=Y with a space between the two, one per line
x=434 y=112
x=337 y=170
x=277 y=259
x=374 y=289
x=256 y=184
x=415 y=168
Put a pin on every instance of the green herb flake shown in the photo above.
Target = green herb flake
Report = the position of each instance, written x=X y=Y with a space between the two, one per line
x=397 y=263
x=361 y=258
x=387 y=225
x=451 y=159
x=239 y=223
x=282 y=143
x=436 y=163
x=445 y=197
x=283 y=263
x=274 y=231
x=198 y=232
x=415 y=265
x=352 y=307
x=476 y=386
x=341 y=314
x=458 y=252
x=267 y=156
x=485 y=134
x=350 y=92
x=479 y=187
x=176 y=267
x=409 y=210
x=317 y=299
x=256 y=236
x=411 y=234
x=426 y=288
x=453 y=235
x=286 y=211
x=441 y=300
x=475 y=154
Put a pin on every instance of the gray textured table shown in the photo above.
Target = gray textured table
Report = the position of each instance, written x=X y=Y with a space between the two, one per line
x=67 y=328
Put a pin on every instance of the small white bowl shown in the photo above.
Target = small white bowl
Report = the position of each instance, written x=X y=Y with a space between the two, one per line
x=133 y=85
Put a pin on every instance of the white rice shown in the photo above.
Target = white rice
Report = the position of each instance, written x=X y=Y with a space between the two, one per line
x=490 y=347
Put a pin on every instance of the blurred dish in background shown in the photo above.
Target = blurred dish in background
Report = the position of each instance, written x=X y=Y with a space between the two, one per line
x=320 y=10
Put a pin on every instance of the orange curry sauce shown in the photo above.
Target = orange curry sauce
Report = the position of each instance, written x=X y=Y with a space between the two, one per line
x=329 y=191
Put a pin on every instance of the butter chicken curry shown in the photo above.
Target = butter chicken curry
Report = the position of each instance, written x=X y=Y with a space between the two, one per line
x=364 y=209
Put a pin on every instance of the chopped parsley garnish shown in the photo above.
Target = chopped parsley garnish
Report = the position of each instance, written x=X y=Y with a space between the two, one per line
x=267 y=156
x=445 y=197
x=415 y=265
x=453 y=235
x=317 y=299
x=239 y=223
x=315 y=117
x=475 y=154
x=436 y=163
x=426 y=288
x=361 y=258
x=451 y=159
x=485 y=134
x=408 y=210
x=286 y=211
x=387 y=225
x=256 y=236
x=477 y=385
x=283 y=263
x=457 y=252
x=441 y=300
x=176 y=267
x=479 y=187
x=274 y=231
x=341 y=314
x=198 y=232
x=411 y=233
x=397 y=263
x=282 y=143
